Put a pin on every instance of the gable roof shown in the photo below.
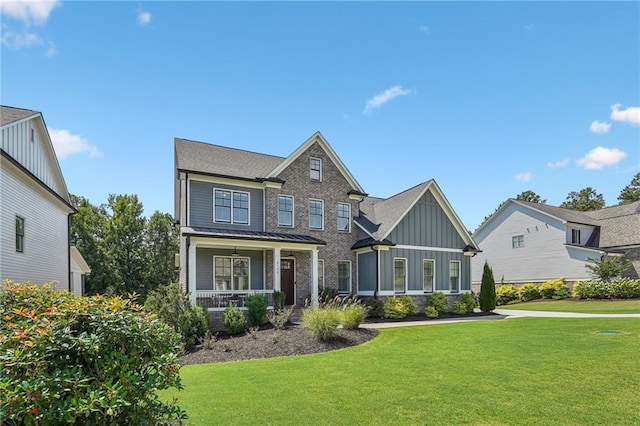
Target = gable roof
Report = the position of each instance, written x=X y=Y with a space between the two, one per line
x=10 y=114
x=379 y=217
x=317 y=137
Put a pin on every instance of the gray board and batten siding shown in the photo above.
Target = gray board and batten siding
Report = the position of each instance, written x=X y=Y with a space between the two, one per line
x=367 y=271
x=204 y=267
x=201 y=206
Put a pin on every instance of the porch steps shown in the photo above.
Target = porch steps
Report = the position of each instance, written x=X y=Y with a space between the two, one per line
x=296 y=315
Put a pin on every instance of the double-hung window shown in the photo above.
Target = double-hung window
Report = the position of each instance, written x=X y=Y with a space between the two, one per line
x=344 y=217
x=428 y=275
x=315 y=166
x=321 y=274
x=400 y=275
x=231 y=206
x=19 y=234
x=454 y=276
x=575 y=236
x=285 y=210
x=344 y=276
x=316 y=214
x=231 y=273
x=517 y=241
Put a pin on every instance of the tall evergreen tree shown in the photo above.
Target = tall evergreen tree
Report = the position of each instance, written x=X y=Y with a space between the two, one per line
x=487 y=289
x=161 y=245
x=586 y=199
x=631 y=192
x=530 y=197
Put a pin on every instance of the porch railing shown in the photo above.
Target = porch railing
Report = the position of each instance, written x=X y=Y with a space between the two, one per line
x=223 y=299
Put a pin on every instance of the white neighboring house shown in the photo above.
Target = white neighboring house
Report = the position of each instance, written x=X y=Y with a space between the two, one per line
x=530 y=242
x=35 y=207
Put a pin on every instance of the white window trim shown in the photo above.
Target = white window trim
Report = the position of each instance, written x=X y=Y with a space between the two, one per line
x=433 y=280
x=519 y=245
x=232 y=220
x=293 y=210
x=231 y=283
x=320 y=160
x=348 y=230
x=406 y=277
x=578 y=233
x=350 y=277
x=22 y=236
x=459 y=277
x=321 y=285
x=322 y=202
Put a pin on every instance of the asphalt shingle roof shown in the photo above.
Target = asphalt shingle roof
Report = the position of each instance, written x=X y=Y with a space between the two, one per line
x=562 y=213
x=10 y=114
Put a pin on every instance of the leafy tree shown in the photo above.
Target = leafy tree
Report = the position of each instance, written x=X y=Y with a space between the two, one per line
x=585 y=200
x=631 y=192
x=161 y=244
x=530 y=197
x=487 y=290
x=609 y=267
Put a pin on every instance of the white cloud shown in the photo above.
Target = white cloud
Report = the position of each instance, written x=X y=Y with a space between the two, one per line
x=51 y=50
x=424 y=29
x=524 y=177
x=20 y=40
x=66 y=143
x=630 y=115
x=29 y=11
x=382 y=98
x=599 y=127
x=144 y=18
x=558 y=164
x=600 y=157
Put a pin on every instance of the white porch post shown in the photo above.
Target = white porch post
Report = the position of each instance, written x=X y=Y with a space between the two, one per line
x=314 y=278
x=192 y=273
x=276 y=269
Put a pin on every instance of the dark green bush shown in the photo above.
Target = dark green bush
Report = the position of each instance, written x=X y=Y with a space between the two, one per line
x=487 y=289
x=439 y=302
x=528 y=292
x=257 y=309
x=322 y=323
x=506 y=293
x=83 y=360
x=278 y=299
x=172 y=305
x=469 y=301
x=375 y=308
x=233 y=320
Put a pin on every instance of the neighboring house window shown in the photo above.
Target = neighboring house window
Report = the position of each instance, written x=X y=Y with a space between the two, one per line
x=454 y=276
x=316 y=168
x=428 y=275
x=575 y=236
x=19 y=234
x=321 y=274
x=285 y=210
x=231 y=206
x=32 y=136
x=316 y=214
x=400 y=275
x=517 y=241
x=344 y=217
x=344 y=276
x=231 y=273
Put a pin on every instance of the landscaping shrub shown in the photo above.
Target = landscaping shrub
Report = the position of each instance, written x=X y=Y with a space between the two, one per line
x=233 y=320
x=83 y=360
x=459 y=307
x=554 y=289
x=278 y=299
x=609 y=268
x=280 y=317
x=528 y=292
x=322 y=323
x=506 y=293
x=624 y=288
x=439 y=302
x=172 y=305
x=468 y=300
x=375 y=308
x=353 y=315
x=399 y=307
x=487 y=290
x=431 y=312
x=257 y=309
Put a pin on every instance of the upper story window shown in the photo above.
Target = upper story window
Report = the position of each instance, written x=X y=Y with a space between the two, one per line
x=231 y=206
x=454 y=276
x=19 y=234
x=517 y=241
x=575 y=236
x=315 y=165
x=428 y=274
x=316 y=214
x=285 y=210
x=344 y=217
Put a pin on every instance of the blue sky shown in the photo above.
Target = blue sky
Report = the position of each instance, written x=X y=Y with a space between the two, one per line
x=488 y=98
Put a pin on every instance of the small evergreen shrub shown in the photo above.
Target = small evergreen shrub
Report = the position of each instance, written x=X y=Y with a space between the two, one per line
x=554 y=289
x=468 y=300
x=487 y=289
x=280 y=318
x=624 y=288
x=439 y=302
x=528 y=292
x=431 y=312
x=278 y=299
x=407 y=301
x=233 y=320
x=505 y=294
x=257 y=310
x=459 y=307
x=352 y=316
x=375 y=308
x=322 y=323
x=399 y=307
x=172 y=305
x=83 y=360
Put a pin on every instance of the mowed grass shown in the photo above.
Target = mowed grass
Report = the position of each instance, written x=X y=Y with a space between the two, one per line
x=631 y=306
x=517 y=371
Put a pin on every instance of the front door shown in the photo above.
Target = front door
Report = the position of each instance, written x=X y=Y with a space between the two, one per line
x=287 y=280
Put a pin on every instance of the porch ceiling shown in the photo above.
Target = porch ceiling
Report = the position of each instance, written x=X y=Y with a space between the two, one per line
x=251 y=235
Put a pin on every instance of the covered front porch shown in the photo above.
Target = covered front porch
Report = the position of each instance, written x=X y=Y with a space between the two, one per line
x=226 y=270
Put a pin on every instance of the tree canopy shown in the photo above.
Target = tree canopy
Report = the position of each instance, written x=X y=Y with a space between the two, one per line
x=631 y=192
x=530 y=197
x=586 y=199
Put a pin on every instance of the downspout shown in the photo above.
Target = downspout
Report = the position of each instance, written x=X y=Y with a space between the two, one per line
x=375 y=292
x=186 y=284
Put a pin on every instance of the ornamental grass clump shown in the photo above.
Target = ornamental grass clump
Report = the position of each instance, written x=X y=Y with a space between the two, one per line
x=322 y=323
x=83 y=360
x=352 y=316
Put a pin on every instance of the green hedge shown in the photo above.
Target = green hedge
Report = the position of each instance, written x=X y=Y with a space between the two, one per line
x=624 y=288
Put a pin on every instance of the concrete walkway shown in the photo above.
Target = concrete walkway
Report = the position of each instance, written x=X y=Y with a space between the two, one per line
x=498 y=314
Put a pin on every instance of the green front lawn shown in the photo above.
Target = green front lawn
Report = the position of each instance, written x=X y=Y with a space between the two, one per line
x=631 y=306
x=517 y=371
